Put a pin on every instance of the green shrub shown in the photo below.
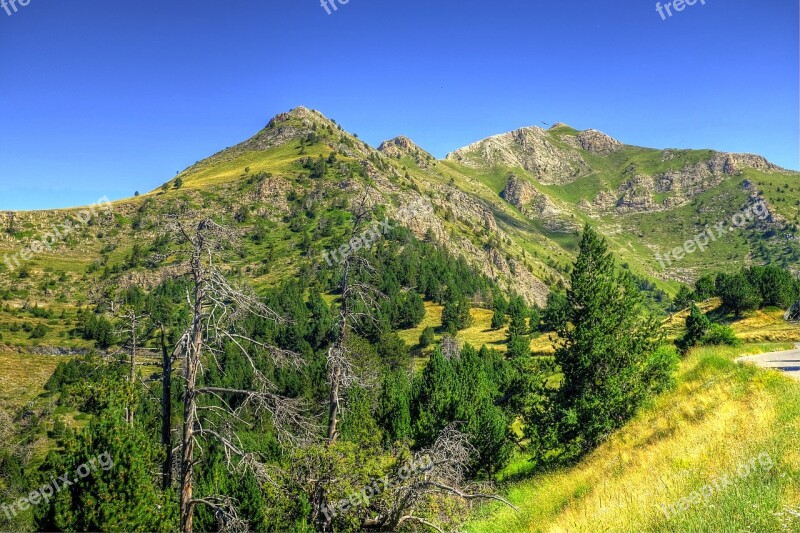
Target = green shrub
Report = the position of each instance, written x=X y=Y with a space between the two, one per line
x=426 y=339
x=719 y=334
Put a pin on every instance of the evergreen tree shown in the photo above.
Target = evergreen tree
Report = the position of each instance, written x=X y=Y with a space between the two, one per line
x=119 y=494
x=555 y=313
x=704 y=288
x=682 y=299
x=394 y=405
x=463 y=389
x=456 y=315
x=500 y=306
x=608 y=340
x=737 y=293
x=697 y=325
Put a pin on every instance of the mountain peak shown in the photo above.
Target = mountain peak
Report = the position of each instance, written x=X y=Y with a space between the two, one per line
x=401 y=146
x=300 y=114
x=597 y=142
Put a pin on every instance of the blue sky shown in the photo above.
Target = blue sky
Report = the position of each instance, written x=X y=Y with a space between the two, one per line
x=108 y=97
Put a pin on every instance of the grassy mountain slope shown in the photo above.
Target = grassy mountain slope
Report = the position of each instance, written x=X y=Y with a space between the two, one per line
x=720 y=416
x=510 y=204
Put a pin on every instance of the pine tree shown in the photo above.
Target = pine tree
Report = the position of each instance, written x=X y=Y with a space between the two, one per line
x=697 y=325
x=737 y=293
x=606 y=352
x=456 y=315
x=120 y=493
x=500 y=307
x=703 y=288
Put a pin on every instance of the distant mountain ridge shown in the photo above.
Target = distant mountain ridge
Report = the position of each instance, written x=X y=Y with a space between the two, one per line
x=510 y=204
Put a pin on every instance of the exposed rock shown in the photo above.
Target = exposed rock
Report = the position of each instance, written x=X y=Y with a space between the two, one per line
x=793 y=313
x=404 y=147
x=527 y=148
x=597 y=142
x=273 y=193
x=518 y=192
x=469 y=210
x=637 y=195
x=604 y=199
x=535 y=205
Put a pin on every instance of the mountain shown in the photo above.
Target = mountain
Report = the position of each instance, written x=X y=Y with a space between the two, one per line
x=510 y=204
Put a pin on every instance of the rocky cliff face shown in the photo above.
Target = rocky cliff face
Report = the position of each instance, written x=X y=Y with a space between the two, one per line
x=536 y=205
x=594 y=142
x=528 y=148
x=404 y=147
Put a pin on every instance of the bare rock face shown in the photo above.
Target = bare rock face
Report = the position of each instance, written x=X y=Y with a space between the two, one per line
x=513 y=276
x=637 y=195
x=273 y=192
x=597 y=142
x=469 y=210
x=527 y=148
x=739 y=161
x=404 y=147
x=518 y=192
x=283 y=128
x=535 y=205
x=604 y=199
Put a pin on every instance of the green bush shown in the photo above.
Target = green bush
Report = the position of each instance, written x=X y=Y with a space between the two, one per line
x=719 y=334
x=427 y=337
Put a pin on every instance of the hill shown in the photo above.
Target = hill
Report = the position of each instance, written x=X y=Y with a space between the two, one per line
x=510 y=204
x=719 y=453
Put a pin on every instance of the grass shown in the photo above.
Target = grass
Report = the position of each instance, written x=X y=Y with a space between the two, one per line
x=764 y=325
x=23 y=377
x=719 y=416
x=478 y=334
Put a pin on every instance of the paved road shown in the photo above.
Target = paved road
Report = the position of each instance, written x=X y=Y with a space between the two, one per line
x=788 y=361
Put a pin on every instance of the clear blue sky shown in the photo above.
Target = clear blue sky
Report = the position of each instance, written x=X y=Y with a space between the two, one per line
x=106 y=97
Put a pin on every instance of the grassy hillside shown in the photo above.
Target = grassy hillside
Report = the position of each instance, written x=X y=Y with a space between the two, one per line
x=721 y=415
x=274 y=191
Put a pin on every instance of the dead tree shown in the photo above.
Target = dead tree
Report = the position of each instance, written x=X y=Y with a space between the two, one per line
x=353 y=291
x=435 y=472
x=167 y=360
x=218 y=309
x=132 y=321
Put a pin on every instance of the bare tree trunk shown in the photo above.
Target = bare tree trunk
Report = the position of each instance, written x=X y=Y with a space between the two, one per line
x=166 y=409
x=129 y=410
x=336 y=351
x=190 y=398
x=333 y=410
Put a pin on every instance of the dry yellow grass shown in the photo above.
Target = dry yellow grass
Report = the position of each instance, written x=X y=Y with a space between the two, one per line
x=22 y=377
x=718 y=417
x=478 y=334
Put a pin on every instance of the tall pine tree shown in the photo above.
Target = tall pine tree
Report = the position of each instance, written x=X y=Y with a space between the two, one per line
x=606 y=353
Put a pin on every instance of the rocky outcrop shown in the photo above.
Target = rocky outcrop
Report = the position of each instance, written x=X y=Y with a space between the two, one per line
x=637 y=195
x=597 y=142
x=535 y=205
x=401 y=146
x=527 y=148
x=518 y=192
x=793 y=313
